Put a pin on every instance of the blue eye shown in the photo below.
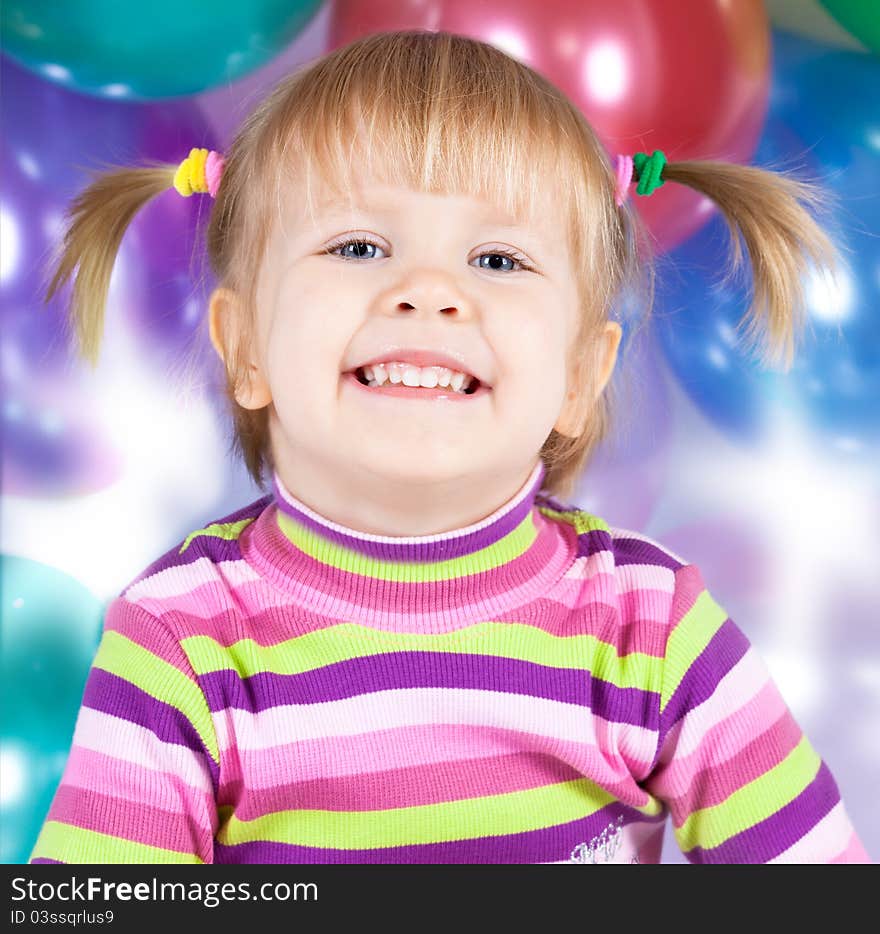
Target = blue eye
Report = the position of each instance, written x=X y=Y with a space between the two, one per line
x=513 y=257
x=361 y=242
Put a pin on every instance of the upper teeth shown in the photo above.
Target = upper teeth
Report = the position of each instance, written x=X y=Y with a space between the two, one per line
x=410 y=375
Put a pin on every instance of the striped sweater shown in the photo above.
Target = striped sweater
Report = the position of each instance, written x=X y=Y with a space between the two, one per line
x=537 y=687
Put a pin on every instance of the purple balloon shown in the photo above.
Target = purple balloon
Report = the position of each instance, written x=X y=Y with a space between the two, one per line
x=52 y=444
x=52 y=137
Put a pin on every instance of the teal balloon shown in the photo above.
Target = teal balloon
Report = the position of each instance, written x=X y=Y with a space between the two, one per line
x=50 y=626
x=159 y=49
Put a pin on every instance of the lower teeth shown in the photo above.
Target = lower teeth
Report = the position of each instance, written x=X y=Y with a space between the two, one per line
x=373 y=383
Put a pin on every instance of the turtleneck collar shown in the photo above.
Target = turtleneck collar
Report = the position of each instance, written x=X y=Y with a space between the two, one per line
x=420 y=583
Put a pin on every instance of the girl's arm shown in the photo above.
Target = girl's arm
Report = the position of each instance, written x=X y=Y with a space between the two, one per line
x=741 y=780
x=141 y=778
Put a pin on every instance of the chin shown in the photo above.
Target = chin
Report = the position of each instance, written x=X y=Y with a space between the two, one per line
x=421 y=468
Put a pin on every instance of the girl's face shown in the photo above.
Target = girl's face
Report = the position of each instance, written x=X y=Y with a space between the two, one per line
x=407 y=269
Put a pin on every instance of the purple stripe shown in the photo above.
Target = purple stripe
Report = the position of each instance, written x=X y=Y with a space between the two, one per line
x=113 y=695
x=42 y=860
x=776 y=833
x=724 y=651
x=535 y=846
x=557 y=505
x=427 y=548
x=634 y=550
x=592 y=543
x=402 y=670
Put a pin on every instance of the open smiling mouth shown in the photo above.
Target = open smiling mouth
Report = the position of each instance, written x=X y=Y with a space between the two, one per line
x=475 y=389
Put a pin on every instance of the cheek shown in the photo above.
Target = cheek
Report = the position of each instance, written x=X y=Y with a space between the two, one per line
x=307 y=342
x=529 y=368
x=301 y=372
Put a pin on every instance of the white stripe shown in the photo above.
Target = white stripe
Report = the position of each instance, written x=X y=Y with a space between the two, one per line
x=387 y=710
x=826 y=840
x=121 y=739
x=183 y=578
x=746 y=679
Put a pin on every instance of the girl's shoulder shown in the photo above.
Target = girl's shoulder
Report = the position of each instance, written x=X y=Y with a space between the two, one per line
x=194 y=560
x=596 y=534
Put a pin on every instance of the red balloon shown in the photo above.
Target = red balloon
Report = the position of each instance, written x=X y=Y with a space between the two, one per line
x=689 y=77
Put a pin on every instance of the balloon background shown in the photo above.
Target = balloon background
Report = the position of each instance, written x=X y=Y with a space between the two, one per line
x=625 y=65
x=768 y=482
x=106 y=49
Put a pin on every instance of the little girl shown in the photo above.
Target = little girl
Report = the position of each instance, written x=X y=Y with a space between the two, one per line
x=412 y=649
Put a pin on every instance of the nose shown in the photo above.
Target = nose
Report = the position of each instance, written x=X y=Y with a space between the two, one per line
x=407 y=306
x=427 y=292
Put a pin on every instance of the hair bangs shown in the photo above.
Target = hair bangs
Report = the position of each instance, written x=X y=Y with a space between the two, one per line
x=446 y=123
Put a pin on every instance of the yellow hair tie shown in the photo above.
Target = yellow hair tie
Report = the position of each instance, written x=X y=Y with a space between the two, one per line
x=190 y=174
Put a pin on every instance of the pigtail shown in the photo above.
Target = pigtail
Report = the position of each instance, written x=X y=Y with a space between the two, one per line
x=96 y=220
x=767 y=210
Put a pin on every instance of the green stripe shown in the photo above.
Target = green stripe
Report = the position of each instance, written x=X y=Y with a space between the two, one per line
x=580 y=520
x=517 y=641
x=689 y=638
x=227 y=530
x=72 y=844
x=120 y=656
x=493 y=815
x=500 y=552
x=752 y=803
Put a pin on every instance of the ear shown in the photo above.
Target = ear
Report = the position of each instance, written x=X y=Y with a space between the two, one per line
x=575 y=410
x=225 y=318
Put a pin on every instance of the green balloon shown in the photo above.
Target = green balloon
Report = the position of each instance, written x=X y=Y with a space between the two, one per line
x=159 y=49
x=860 y=17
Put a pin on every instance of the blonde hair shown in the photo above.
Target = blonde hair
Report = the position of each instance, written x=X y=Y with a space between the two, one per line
x=446 y=113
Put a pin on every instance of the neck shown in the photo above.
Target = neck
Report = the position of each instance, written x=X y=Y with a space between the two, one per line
x=419 y=583
x=386 y=504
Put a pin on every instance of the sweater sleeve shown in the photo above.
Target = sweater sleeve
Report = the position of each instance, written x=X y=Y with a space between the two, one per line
x=139 y=785
x=742 y=782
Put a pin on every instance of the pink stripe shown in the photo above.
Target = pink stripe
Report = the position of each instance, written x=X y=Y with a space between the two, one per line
x=688 y=586
x=624 y=165
x=724 y=740
x=652 y=847
x=131 y=820
x=409 y=787
x=138 y=747
x=321 y=585
x=136 y=624
x=512 y=713
x=273 y=620
x=715 y=783
x=854 y=852
x=88 y=768
x=831 y=835
x=424 y=748
x=746 y=680
x=213 y=172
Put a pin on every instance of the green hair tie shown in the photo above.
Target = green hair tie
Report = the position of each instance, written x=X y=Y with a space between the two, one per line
x=649 y=169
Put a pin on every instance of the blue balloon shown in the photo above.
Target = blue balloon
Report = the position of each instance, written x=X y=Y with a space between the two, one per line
x=822 y=124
